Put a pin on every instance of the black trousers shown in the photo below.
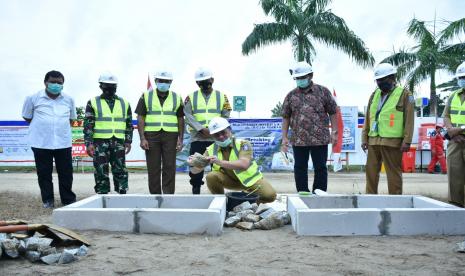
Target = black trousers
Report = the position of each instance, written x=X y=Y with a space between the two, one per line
x=319 y=157
x=200 y=147
x=64 y=166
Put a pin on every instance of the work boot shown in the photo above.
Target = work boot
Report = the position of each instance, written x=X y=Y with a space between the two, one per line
x=196 y=190
x=122 y=192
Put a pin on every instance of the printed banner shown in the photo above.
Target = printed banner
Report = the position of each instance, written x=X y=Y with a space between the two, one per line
x=14 y=142
x=264 y=134
x=350 y=121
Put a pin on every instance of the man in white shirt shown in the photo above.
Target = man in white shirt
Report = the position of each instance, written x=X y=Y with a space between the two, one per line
x=50 y=113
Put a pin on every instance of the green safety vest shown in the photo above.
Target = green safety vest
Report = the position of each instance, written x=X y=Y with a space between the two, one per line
x=109 y=123
x=457 y=110
x=390 y=122
x=246 y=177
x=204 y=112
x=161 y=117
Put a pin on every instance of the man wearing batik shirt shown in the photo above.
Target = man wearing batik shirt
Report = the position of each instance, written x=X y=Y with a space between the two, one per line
x=307 y=109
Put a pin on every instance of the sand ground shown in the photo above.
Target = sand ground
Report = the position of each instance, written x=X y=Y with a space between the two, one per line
x=236 y=252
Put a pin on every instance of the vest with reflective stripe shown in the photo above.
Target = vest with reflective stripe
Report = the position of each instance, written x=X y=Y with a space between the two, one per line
x=390 y=120
x=247 y=177
x=108 y=123
x=161 y=117
x=457 y=110
x=204 y=112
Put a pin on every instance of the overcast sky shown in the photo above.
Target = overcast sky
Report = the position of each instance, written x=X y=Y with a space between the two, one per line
x=82 y=38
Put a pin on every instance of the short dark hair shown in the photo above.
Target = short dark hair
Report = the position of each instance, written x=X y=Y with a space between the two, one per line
x=53 y=74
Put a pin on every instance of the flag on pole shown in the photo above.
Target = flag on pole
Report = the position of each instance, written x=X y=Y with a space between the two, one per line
x=337 y=162
x=149 y=84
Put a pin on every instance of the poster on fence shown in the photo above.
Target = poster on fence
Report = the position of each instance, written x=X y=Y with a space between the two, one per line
x=14 y=141
x=350 y=122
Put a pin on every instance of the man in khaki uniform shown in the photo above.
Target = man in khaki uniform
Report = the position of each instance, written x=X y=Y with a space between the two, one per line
x=454 y=122
x=232 y=164
x=388 y=129
x=199 y=108
x=160 y=121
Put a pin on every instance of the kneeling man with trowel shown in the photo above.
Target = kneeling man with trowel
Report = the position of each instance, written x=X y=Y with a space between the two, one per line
x=232 y=163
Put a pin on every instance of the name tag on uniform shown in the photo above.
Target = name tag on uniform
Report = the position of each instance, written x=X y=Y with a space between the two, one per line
x=374 y=126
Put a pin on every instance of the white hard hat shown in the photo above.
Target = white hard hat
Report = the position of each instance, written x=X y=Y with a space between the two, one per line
x=383 y=70
x=460 y=70
x=218 y=124
x=301 y=69
x=108 y=77
x=203 y=74
x=163 y=75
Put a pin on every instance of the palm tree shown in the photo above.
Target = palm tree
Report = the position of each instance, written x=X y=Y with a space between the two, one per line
x=304 y=22
x=432 y=53
x=277 y=110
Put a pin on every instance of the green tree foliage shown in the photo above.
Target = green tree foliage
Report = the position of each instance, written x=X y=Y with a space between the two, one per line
x=434 y=51
x=80 y=112
x=304 y=22
x=277 y=110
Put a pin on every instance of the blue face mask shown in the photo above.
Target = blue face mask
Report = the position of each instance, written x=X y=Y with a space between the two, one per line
x=224 y=143
x=302 y=83
x=163 y=87
x=461 y=83
x=54 y=88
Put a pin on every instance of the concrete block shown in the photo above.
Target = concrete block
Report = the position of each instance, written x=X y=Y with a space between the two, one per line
x=425 y=202
x=426 y=221
x=219 y=203
x=325 y=202
x=338 y=222
x=95 y=201
x=294 y=204
x=130 y=201
x=121 y=219
x=185 y=201
x=383 y=201
x=180 y=221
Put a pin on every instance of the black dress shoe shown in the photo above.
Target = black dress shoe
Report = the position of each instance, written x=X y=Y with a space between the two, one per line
x=48 y=205
x=196 y=190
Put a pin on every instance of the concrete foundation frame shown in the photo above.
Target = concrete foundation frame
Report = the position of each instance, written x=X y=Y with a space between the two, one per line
x=170 y=214
x=347 y=215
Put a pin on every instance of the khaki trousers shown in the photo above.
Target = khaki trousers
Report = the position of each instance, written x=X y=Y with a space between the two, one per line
x=161 y=161
x=456 y=172
x=392 y=159
x=218 y=181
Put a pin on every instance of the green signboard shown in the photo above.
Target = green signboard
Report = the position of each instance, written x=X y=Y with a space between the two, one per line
x=239 y=103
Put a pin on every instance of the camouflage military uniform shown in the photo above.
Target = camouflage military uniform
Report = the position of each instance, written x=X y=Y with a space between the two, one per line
x=108 y=152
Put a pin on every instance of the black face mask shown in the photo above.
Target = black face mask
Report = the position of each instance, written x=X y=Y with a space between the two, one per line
x=204 y=85
x=385 y=86
x=109 y=90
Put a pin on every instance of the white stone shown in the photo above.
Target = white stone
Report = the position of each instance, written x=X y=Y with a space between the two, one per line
x=243 y=206
x=251 y=218
x=232 y=221
x=245 y=225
